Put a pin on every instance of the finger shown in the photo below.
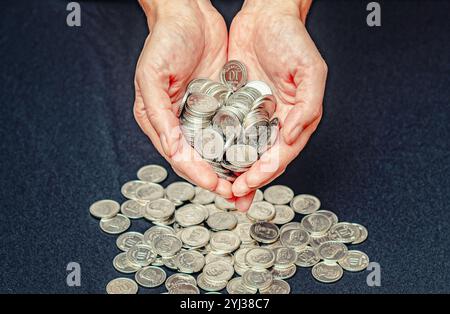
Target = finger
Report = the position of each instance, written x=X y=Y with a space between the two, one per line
x=308 y=100
x=274 y=162
x=223 y=188
x=243 y=203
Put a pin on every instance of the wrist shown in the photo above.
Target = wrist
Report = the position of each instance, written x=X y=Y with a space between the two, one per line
x=155 y=9
x=299 y=7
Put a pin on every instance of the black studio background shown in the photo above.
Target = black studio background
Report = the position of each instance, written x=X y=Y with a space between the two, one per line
x=380 y=156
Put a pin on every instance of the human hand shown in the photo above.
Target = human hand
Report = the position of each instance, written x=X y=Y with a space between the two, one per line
x=187 y=40
x=270 y=38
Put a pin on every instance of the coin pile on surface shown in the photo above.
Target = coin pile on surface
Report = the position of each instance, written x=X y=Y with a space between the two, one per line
x=208 y=246
x=231 y=123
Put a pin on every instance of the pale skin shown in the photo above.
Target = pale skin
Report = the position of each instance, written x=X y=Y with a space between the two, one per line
x=189 y=39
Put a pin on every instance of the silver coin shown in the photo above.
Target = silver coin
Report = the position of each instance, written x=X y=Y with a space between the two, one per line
x=239 y=257
x=104 y=209
x=261 y=211
x=133 y=209
x=178 y=278
x=261 y=86
x=169 y=262
x=284 y=256
x=184 y=288
x=278 y=286
x=115 y=225
x=122 y=264
x=150 y=276
x=190 y=261
x=224 y=204
x=363 y=234
x=212 y=257
x=291 y=225
x=316 y=224
x=236 y=286
x=283 y=214
x=294 y=238
x=332 y=216
x=122 y=286
x=167 y=245
x=345 y=232
x=203 y=196
x=305 y=204
x=212 y=209
x=222 y=221
x=243 y=231
x=234 y=74
x=141 y=254
x=225 y=241
x=149 y=192
x=354 y=261
x=257 y=279
x=206 y=284
x=195 y=236
x=259 y=196
x=327 y=273
x=129 y=239
x=209 y=144
x=242 y=155
x=264 y=232
x=307 y=257
x=180 y=191
x=153 y=232
x=283 y=272
x=260 y=258
x=332 y=251
x=152 y=173
x=316 y=241
x=129 y=189
x=191 y=214
x=159 y=209
x=278 y=194
x=218 y=271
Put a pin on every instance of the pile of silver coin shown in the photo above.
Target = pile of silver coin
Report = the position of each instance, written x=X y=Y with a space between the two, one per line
x=231 y=123
x=209 y=246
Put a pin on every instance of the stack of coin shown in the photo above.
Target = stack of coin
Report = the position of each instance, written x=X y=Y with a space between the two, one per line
x=230 y=124
x=209 y=246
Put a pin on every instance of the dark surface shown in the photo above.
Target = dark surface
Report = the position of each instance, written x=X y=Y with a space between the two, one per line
x=380 y=156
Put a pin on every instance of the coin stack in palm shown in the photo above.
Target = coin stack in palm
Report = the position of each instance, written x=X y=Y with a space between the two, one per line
x=230 y=124
x=207 y=245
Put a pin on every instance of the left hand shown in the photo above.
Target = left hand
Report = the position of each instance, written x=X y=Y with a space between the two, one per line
x=270 y=38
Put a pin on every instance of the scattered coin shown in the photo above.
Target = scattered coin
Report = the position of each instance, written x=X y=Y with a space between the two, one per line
x=283 y=214
x=115 y=225
x=195 y=231
x=307 y=257
x=133 y=209
x=122 y=264
x=354 y=261
x=327 y=273
x=152 y=173
x=278 y=194
x=150 y=276
x=129 y=239
x=261 y=211
x=104 y=209
x=278 y=286
x=122 y=286
x=305 y=204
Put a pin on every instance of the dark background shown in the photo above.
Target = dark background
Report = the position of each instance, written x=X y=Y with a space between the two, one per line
x=380 y=156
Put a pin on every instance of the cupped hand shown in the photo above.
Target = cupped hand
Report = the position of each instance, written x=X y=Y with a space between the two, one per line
x=270 y=38
x=187 y=40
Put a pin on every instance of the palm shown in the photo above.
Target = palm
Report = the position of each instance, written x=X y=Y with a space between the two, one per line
x=274 y=50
